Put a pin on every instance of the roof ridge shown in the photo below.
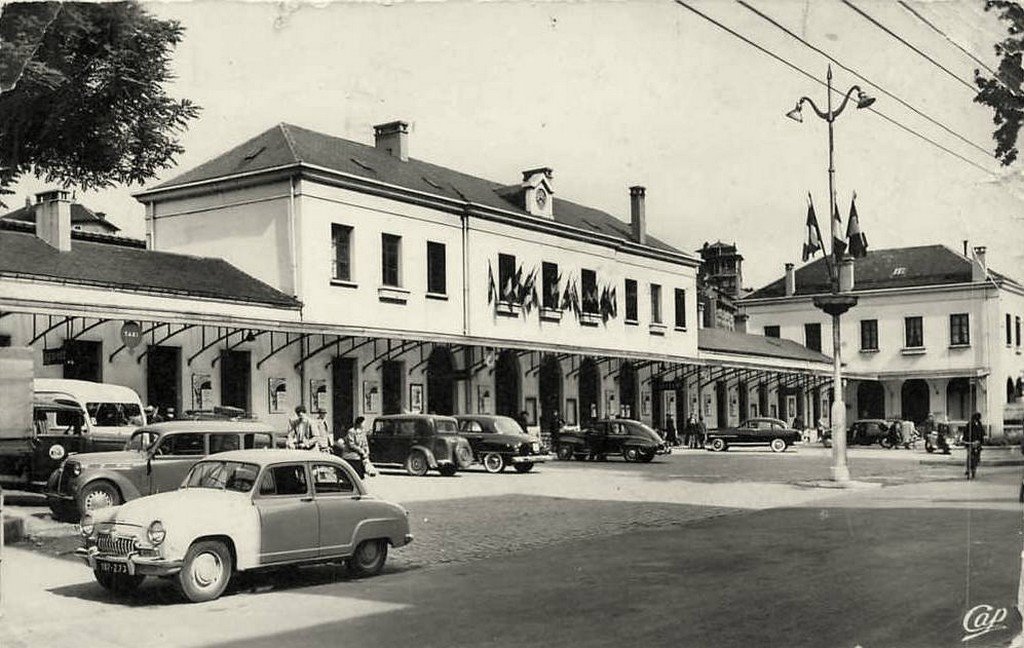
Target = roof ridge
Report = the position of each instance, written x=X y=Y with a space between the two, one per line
x=284 y=126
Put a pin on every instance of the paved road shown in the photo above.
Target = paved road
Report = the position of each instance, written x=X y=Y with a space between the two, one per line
x=603 y=554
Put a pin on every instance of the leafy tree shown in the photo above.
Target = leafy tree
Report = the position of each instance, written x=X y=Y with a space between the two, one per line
x=1003 y=92
x=82 y=100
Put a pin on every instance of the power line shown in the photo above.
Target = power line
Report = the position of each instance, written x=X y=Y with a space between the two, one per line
x=946 y=36
x=942 y=67
x=863 y=78
x=822 y=83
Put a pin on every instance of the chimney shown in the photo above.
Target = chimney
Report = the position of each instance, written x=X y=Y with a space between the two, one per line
x=790 y=280
x=700 y=314
x=846 y=274
x=53 y=218
x=979 y=271
x=101 y=215
x=638 y=213
x=393 y=139
x=965 y=247
x=740 y=320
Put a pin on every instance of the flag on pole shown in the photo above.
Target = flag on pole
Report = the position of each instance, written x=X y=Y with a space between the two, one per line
x=838 y=243
x=813 y=244
x=858 y=242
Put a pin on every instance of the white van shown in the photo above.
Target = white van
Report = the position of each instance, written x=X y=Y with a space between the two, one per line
x=112 y=412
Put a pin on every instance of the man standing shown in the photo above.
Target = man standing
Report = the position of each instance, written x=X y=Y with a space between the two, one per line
x=670 y=431
x=354 y=447
x=323 y=433
x=302 y=434
x=973 y=437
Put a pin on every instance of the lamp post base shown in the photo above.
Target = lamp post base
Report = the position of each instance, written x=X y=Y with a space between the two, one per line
x=841 y=474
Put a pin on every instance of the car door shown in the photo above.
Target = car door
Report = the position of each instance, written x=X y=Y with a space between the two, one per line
x=338 y=504
x=747 y=432
x=289 y=520
x=174 y=454
x=381 y=441
x=475 y=434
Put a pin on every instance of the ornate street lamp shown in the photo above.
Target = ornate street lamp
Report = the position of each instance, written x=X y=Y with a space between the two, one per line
x=835 y=304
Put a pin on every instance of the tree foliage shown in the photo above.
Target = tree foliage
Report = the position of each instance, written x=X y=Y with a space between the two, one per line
x=1003 y=92
x=82 y=98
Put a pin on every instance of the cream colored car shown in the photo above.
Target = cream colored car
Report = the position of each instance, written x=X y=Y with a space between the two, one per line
x=244 y=510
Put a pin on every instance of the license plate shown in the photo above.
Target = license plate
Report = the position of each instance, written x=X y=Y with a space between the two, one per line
x=112 y=567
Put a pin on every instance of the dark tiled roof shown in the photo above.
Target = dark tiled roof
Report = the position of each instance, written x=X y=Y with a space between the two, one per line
x=925 y=265
x=286 y=144
x=23 y=254
x=80 y=215
x=726 y=341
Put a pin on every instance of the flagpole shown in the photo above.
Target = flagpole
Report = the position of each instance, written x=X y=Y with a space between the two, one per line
x=835 y=304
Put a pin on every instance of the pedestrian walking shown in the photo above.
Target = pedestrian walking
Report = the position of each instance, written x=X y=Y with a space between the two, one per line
x=702 y=433
x=973 y=437
x=821 y=427
x=355 y=449
x=670 y=431
x=690 y=432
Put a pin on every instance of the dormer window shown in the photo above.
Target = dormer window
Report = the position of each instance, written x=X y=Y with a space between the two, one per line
x=537 y=192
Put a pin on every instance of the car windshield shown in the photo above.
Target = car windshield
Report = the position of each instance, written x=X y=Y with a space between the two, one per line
x=141 y=440
x=444 y=425
x=506 y=425
x=222 y=475
x=115 y=414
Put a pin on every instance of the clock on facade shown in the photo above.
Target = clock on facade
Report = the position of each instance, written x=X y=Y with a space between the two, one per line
x=541 y=197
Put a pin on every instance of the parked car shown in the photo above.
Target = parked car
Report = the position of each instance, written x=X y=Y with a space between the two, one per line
x=155 y=459
x=869 y=432
x=605 y=437
x=55 y=432
x=244 y=510
x=756 y=431
x=419 y=443
x=498 y=441
x=112 y=412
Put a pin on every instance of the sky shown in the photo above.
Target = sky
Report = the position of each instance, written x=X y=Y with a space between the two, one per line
x=614 y=94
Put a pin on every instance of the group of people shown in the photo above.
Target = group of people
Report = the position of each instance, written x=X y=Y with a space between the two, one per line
x=307 y=433
x=694 y=432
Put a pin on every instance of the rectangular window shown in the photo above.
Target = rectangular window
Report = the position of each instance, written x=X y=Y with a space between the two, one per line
x=1009 y=330
x=341 y=251
x=869 y=335
x=655 y=304
x=959 y=329
x=5 y=340
x=506 y=277
x=771 y=331
x=549 y=279
x=812 y=336
x=913 y=332
x=437 y=279
x=680 y=308
x=391 y=259
x=1017 y=329
x=588 y=283
x=632 y=312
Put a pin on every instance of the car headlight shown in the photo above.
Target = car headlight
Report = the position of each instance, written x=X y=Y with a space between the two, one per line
x=535 y=446
x=76 y=469
x=85 y=525
x=156 y=532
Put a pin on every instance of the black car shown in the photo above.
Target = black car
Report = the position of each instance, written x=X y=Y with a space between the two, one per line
x=756 y=431
x=605 y=437
x=869 y=432
x=498 y=441
x=419 y=443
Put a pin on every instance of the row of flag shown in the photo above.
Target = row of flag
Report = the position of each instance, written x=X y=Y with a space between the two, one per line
x=854 y=240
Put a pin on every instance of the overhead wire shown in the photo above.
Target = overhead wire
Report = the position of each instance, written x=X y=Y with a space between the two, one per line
x=874 y=84
x=946 y=36
x=810 y=76
x=917 y=50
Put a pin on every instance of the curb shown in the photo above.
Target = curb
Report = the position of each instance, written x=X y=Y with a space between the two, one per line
x=14 y=529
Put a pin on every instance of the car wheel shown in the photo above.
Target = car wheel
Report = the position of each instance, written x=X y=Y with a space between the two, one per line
x=718 y=445
x=494 y=462
x=369 y=558
x=63 y=512
x=523 y=467
x=97 y=495
x=648 y=456
x=118 y=583
x=631 y=454
x=778 y=445
x=448 y=470
x=564 y=452
x=416 y=464
x=206 y=571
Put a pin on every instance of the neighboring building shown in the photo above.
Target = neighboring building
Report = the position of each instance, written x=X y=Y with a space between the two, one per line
x=83 y=219
x=720 y=286
x=934 y=332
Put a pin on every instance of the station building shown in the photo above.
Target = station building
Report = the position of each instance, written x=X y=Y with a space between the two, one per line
x=301 y=267
x=935 y=331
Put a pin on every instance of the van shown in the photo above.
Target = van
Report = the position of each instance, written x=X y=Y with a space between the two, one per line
x=111 y=412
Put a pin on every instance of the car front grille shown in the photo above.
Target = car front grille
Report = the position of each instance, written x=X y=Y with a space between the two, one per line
x=115 y=545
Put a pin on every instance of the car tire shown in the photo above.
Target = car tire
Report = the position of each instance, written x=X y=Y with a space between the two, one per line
x=523 y=467
x=96 y=495
x=206 y=571
x=718 y=445
x=564 y=452
x=118 y=583
x=648 y=456
x=416 y=464
x=369 y=558
x=778 y=445
x=64 y=512
x=448 y=470
x=631 y=454
x=493 y=462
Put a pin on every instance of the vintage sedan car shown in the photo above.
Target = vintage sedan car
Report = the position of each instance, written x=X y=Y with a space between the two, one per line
x=419 y=443
x=244 y=510
x=498 y=441
x=155 y=459
x=605 y=437
x=756 y=431
x=869 y=432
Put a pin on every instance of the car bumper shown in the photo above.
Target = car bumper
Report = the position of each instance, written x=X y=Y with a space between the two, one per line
x=528 y=459
x=665 y=450
x=134 y=564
